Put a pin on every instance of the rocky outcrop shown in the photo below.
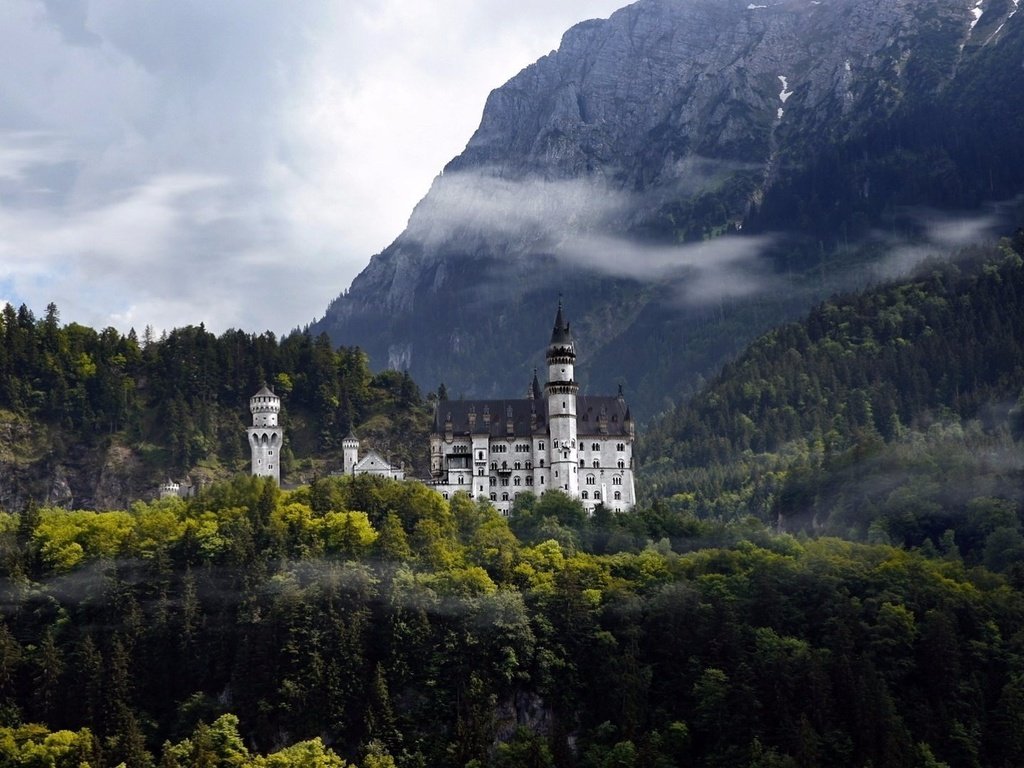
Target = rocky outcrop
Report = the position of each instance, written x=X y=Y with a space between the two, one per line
x=597 y=170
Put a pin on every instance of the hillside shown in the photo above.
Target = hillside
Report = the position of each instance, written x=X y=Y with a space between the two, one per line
x=96 y=419
x=889 y=414
x=688 y=173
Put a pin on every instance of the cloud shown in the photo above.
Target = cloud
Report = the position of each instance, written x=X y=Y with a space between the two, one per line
x=583 y=223
x=941 y=234
x=233 y=162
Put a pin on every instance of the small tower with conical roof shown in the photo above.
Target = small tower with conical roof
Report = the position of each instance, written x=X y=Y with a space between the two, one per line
x=561 y=390
x=350 y=453
x=265 y=434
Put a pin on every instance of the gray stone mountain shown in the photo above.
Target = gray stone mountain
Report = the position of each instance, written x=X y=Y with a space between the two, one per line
x=686 y=173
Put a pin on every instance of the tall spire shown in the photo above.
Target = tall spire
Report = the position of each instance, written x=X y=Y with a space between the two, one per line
x=560 y=334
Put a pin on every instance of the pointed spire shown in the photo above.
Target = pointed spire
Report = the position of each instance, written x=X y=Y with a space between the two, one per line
x=560 y=334
x=536 y=391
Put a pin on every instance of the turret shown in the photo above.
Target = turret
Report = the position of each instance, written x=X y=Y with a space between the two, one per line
x=561 y=390
x=265 y=435
x=350 y=454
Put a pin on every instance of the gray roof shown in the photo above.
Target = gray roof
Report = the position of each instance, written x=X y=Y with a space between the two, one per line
x=588 y=416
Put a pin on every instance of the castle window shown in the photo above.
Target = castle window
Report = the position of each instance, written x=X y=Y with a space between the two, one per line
x=595 y=447
x=445 y=495
x=540 y=446
x=554 y=444
x=620 y=447
x=504 y=497
x=517 y=481
x=596 y=463
x=494 y=497
x=583 y=463
x=518 y=465
x=529 y=479
x=270 y=453
x=529 y=465
x=460 y=479
x=480 y=471
x=591 y=480
x=494 y=481
x=584 y=495
x=504 y=465
x=618 y=495
x=480 y=455
x=504 y=481
x=622 y=464
x=616 y=481
x=597 y=495
x=481 y=489
x=542 y=479
x=541 y=463
x=494 y=465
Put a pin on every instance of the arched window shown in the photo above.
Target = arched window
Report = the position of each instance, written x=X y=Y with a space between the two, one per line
x=518 y=465
x=584 y=495
x=494 y=497
x=620 y=447
x=541 y=463
x=517 y=481
x=596 y=463
x=494 y=465
x=597 y=495
x=504 y=496
x=616 y=480
x=591 y=480
x=529 y=479
x=583 y=463
x=494 y=481
x=504 y=465
x=622 y=464
x=595 y=447
x=618 y=495
x=480 y=471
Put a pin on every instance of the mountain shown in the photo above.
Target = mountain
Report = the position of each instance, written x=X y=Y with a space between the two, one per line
x=687 y=173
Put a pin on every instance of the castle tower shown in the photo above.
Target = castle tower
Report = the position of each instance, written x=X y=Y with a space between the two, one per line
x=265 y=435
x=350 y=452
x=561 y=390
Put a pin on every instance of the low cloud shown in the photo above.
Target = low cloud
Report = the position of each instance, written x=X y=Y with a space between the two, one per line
x=581 y=222
x=941 y=235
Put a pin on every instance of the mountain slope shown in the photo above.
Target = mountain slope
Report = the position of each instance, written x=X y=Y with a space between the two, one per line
x=890 y=413
x=690 y=170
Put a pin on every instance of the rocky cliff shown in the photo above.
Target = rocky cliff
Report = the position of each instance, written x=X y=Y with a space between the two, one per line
x=686 y=172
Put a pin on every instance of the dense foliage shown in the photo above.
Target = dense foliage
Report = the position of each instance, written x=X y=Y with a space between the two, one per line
x=890 y=413
x=183 y=399
x=402 y=629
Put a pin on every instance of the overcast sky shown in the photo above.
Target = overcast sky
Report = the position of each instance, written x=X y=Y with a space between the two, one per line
x=234 y=162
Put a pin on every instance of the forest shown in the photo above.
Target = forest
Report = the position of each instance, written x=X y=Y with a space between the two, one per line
x=372 y=623
x=181 y=400
x=890 y=415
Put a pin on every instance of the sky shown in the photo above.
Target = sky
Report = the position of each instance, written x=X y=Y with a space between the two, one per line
x=234 y=162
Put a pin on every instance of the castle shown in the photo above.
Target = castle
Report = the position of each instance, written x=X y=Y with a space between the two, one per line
x=557 y=438
x=581 y=445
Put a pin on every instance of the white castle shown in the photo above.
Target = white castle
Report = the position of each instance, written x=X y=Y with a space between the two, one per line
x=579 y=444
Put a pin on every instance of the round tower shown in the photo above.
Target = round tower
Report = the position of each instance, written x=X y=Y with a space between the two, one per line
x=561 y=390
x=265 y=435
x=350 y=452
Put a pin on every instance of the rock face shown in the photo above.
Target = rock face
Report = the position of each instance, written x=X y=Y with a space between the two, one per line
x=648 y=168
